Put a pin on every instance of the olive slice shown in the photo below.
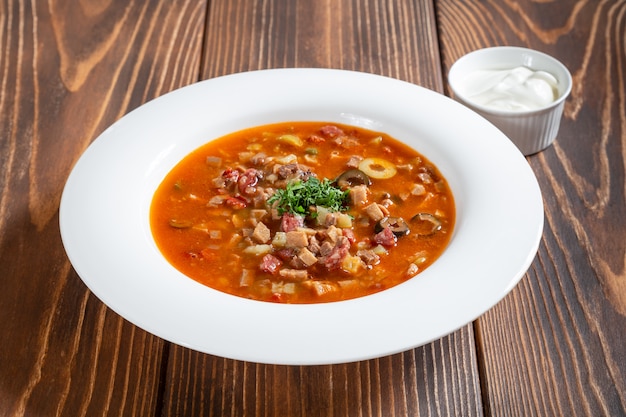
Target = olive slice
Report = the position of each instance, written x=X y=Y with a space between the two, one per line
x=425 y=224
x=397 y=225
x=352 y=177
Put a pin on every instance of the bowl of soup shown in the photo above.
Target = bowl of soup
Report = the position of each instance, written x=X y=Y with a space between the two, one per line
x=301 y=216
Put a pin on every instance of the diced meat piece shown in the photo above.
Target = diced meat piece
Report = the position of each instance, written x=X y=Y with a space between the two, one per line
x=290 y=222
x=214 y=161
x=375 y=211
x=368 y=256
x=326 y=248
x=418 y=189
x=358 y=195
x=314 y=245
x=287 y=171
x=353 y=162
x=330 y=219
x=331 y=131
x=261 y=233
x=385 y=237
x=295 y=275
x=247 y=278
x=333 y=260
x=307 y=257
x=216 y=200
x=332 y=234
x=270 y=264
x=258 y=214
x=258 y=159
x=297 y=239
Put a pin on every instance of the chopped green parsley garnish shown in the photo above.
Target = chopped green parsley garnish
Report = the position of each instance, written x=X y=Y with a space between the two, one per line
x=298 y=196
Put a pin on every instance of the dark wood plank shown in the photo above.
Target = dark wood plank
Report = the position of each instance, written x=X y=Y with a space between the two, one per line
x=66 y=72
x=397 y=40
x=555 y=346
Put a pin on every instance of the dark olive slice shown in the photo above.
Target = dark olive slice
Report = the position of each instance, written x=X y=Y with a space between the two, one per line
x=352 y=177
x=397 y=225
x=425 y=224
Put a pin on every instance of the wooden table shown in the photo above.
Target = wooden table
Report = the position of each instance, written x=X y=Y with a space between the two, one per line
x=555 y=346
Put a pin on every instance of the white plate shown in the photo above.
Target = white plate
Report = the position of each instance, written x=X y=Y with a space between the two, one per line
x=105 y=208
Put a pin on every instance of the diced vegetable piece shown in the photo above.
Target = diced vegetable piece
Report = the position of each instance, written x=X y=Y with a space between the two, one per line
x=344 y=220
x=258 y=249
x=291 y=140
x=351 y=264
x=280 y=239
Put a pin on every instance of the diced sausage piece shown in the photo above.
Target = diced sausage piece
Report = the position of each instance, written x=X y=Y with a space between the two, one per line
x=290 y=222
x=307 y=257
x=296 y=275
x=353 y=162
x=333 y=260
x=385 y=237
x=358 y=195
x=315 y=139
x=270 y=264
x=248 y=181
x=286 y=254
x=297 y=239
x=331 y=131
x=374 y=211
x=349 y=234
x=261 y=233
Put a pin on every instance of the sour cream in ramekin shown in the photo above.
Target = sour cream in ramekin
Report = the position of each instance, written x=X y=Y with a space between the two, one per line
x=518 y=88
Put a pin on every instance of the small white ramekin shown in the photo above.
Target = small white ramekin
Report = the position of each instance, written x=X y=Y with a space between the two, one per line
x=531 y=130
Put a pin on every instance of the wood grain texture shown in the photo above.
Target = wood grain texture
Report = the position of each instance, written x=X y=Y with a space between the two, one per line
x=555 y=346
x=67 y=71
x=438 y=379
x=382 y=37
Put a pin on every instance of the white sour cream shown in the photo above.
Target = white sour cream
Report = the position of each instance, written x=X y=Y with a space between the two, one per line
x=515 y=89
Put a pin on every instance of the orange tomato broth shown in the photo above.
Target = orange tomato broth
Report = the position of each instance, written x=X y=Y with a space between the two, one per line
x=207 y=241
